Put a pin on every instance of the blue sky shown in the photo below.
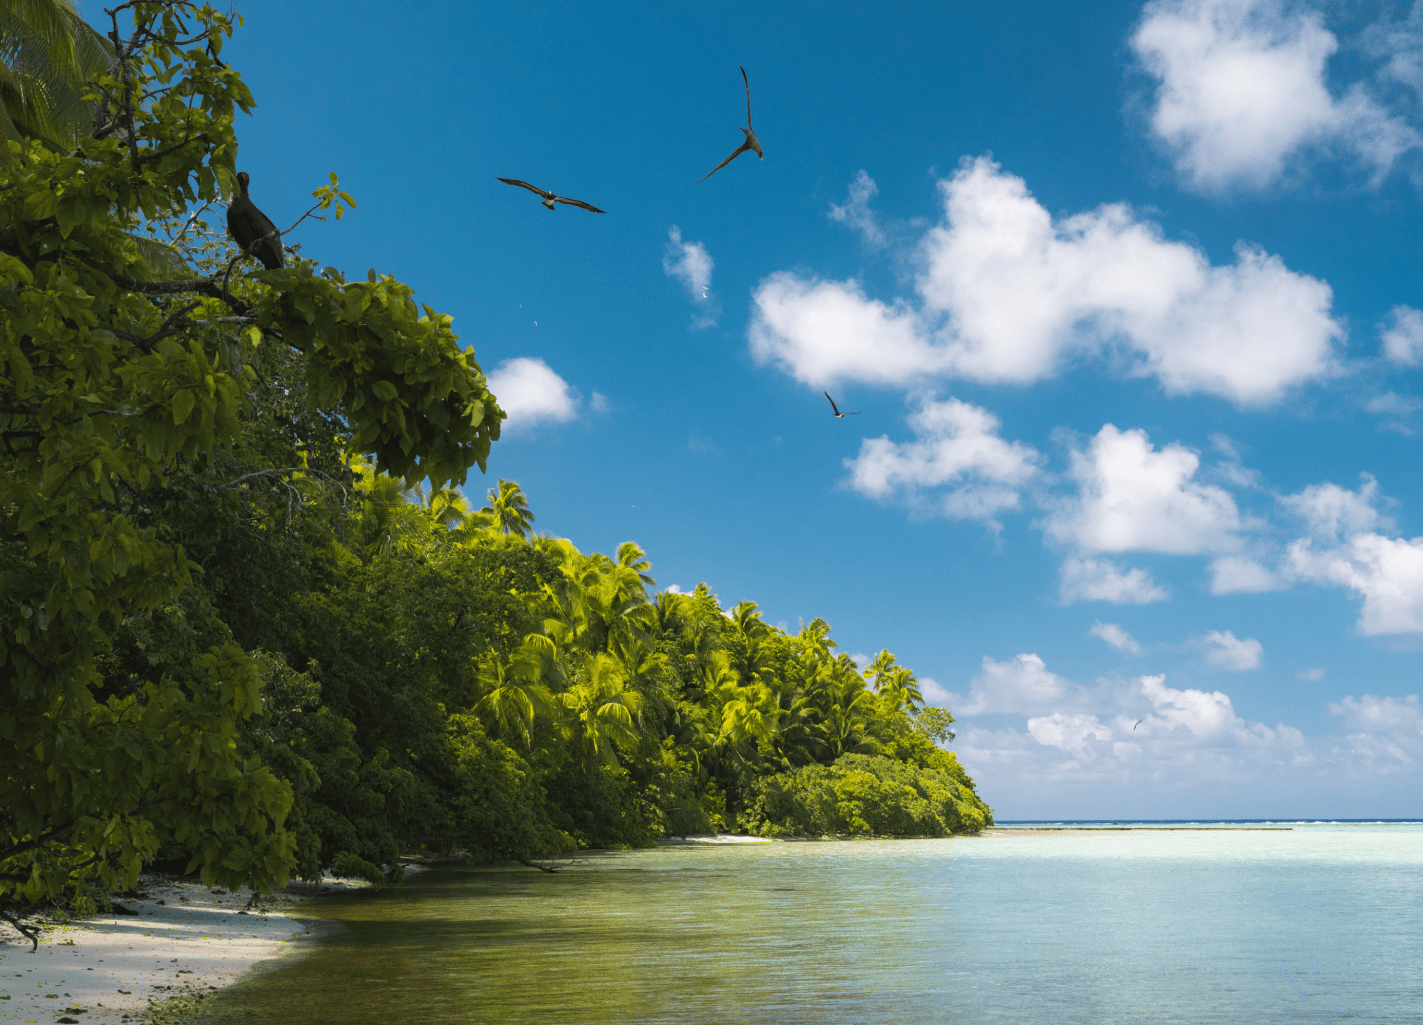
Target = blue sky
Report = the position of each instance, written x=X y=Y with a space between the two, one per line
x=1127 y=296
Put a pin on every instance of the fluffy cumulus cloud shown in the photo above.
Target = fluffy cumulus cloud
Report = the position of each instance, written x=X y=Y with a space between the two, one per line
x=691 y=264
x=958 y=466
x=532 y=393
x=1241 y=90
x=1140 y=732
x=1116 y=637
x=1226 y=651
x=1346 y=545
x=1386 y=572
x=1241 y=574
x=1132 y=497
x=1019 y=684
x=1007 y=294
x=1402 y=336
x=1103 y=580
x=1072 y=733
x=1330 y=511
x=1385 y=734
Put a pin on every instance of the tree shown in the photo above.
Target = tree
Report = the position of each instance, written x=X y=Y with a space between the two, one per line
x=47 y=54
x=122 y=393
x=510 y=509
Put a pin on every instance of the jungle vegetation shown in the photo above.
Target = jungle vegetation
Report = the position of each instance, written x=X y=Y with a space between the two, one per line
x=247 y=615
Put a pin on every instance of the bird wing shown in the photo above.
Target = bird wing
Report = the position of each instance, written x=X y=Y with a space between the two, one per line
x=734 y=154
x=832 y=403
x=748 y=99
x=578 y=202
x=523 y=185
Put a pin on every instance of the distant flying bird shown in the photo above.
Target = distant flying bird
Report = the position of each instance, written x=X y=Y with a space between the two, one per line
x=548 y=197
x=252 y=229
x=836 y=408
x=1138 y=723
x=751 y=141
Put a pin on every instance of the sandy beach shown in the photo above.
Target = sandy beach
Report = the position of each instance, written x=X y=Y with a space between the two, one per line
x=184 y=942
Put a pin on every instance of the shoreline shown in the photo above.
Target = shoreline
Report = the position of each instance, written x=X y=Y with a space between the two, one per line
x=178 y=942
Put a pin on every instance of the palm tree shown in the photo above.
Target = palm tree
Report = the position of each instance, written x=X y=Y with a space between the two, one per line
x=880 y=666
x=605 y=708
x=631 y=556
x=510 y=508
x=47 y=53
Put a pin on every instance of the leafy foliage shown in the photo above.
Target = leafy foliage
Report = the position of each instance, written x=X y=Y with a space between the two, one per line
x=123 y=398
x=248 y=615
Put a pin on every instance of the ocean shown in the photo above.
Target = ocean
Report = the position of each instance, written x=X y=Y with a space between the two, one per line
x=1167 y=922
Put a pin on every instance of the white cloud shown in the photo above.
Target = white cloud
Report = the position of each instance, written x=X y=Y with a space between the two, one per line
x=1241 y=91
x=1398 y=410
x=1380 y=714
x=599 y=403
x=1116 y=637
x=1386 y=572
x=1312 y=675
x=828 y=331
x=1226 y=651
x=1344 y=547
x=1331 y=511
x=1020 y=684
x=958 y=448
x=1239 y=574
x=1007 y=295
x=1100 y=580
x=1139 y=739
x=1069 y=732
x=531 y=393
x=1403 y=337
x=1387 y=737
x=1205 y=715
x=1134 y=498
x=856 y=211
x=934 y=692
x=691 y=264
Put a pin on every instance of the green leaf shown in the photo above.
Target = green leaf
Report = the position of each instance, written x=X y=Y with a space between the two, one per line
x=182 y=406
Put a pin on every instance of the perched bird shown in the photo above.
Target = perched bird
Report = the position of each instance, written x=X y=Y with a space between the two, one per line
x=836 y=408
x=548 y=197
x=252 y=229
x=751 y=141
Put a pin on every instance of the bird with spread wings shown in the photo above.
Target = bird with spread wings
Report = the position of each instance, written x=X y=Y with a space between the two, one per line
x=751 y=143
x=548 y=197
x=836 y=409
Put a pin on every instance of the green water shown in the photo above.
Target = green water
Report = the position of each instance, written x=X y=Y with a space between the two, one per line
x=1321 y=923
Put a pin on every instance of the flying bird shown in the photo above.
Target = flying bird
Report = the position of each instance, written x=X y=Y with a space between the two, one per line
x=837 y=408
x=751 y=141
x=548 y=197
x=1138 y=723
x=252 y=229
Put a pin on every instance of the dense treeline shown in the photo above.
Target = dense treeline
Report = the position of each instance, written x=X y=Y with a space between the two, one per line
x=435 y=677
x=246 y=616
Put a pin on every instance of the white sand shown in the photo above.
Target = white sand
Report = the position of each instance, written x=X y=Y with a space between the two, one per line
x=99 y=970
x=675 y=841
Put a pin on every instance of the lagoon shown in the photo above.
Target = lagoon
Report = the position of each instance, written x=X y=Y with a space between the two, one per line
x=1318 y=922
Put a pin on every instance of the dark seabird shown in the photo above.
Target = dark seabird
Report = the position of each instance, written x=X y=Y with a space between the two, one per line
x=751 y=141
x=254 y=232
x=548 y=197
x=836 y=409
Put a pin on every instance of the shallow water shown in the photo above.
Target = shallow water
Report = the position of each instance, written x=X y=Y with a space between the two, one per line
x=1320 y=923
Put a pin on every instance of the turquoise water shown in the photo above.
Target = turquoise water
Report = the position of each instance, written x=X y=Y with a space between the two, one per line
x=1317 y=923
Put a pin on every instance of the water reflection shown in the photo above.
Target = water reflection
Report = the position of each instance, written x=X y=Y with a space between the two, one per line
x=1120 y=928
